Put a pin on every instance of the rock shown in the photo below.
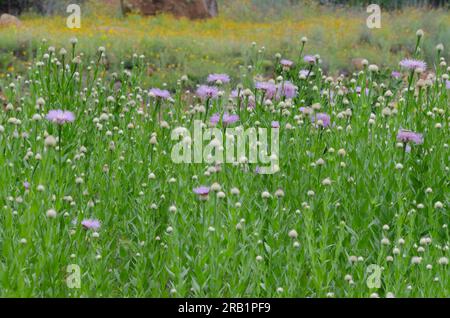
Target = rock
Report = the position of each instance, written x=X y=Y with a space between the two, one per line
x=192 y=9
x=7 y=20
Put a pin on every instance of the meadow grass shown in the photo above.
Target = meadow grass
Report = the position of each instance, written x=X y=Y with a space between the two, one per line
x=98 y=188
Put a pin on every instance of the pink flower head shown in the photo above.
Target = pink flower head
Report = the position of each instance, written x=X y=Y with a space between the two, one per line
x=275 y=124
x=396 y=74
x=268 y=88
x=214 y=78
x=251 y=103
x=91 y=224
x=304 y=73
x=358 y=90
x=230 y=119
x=409 y=136
x=214 y=120
x=205 y=92
x=160 y=93
x=236 y=94
x=202 y=191
x=227 y=119
x=411 y=64
x=286 y=63
x=447 y=84
x=287 y=89
x=60 y=117
x=309 y=59
x=325 y=118
x=306 y=110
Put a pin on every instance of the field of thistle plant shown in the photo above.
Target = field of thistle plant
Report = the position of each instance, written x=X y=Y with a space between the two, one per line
x=356 y=206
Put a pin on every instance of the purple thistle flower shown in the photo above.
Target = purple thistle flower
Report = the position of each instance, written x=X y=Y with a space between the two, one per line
x=205 y=92
x=251 y=103
x=287 y=89
x=309 y=59
x=411 y=64
x=60 y=117
x=235 y=93
x=306 y=110
x=358 y=90
x=275 y=124
x=202 y=191
x=406 y=136
x=269 y=88
x=447 y=84
x=26 y=185
x=286 y=63
x=230 y=119
x=214 y=120
x=214 y=78
x=160 y=93
x=396 y=74
x=324 y=118
x=91 y=224
x=304 y=73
